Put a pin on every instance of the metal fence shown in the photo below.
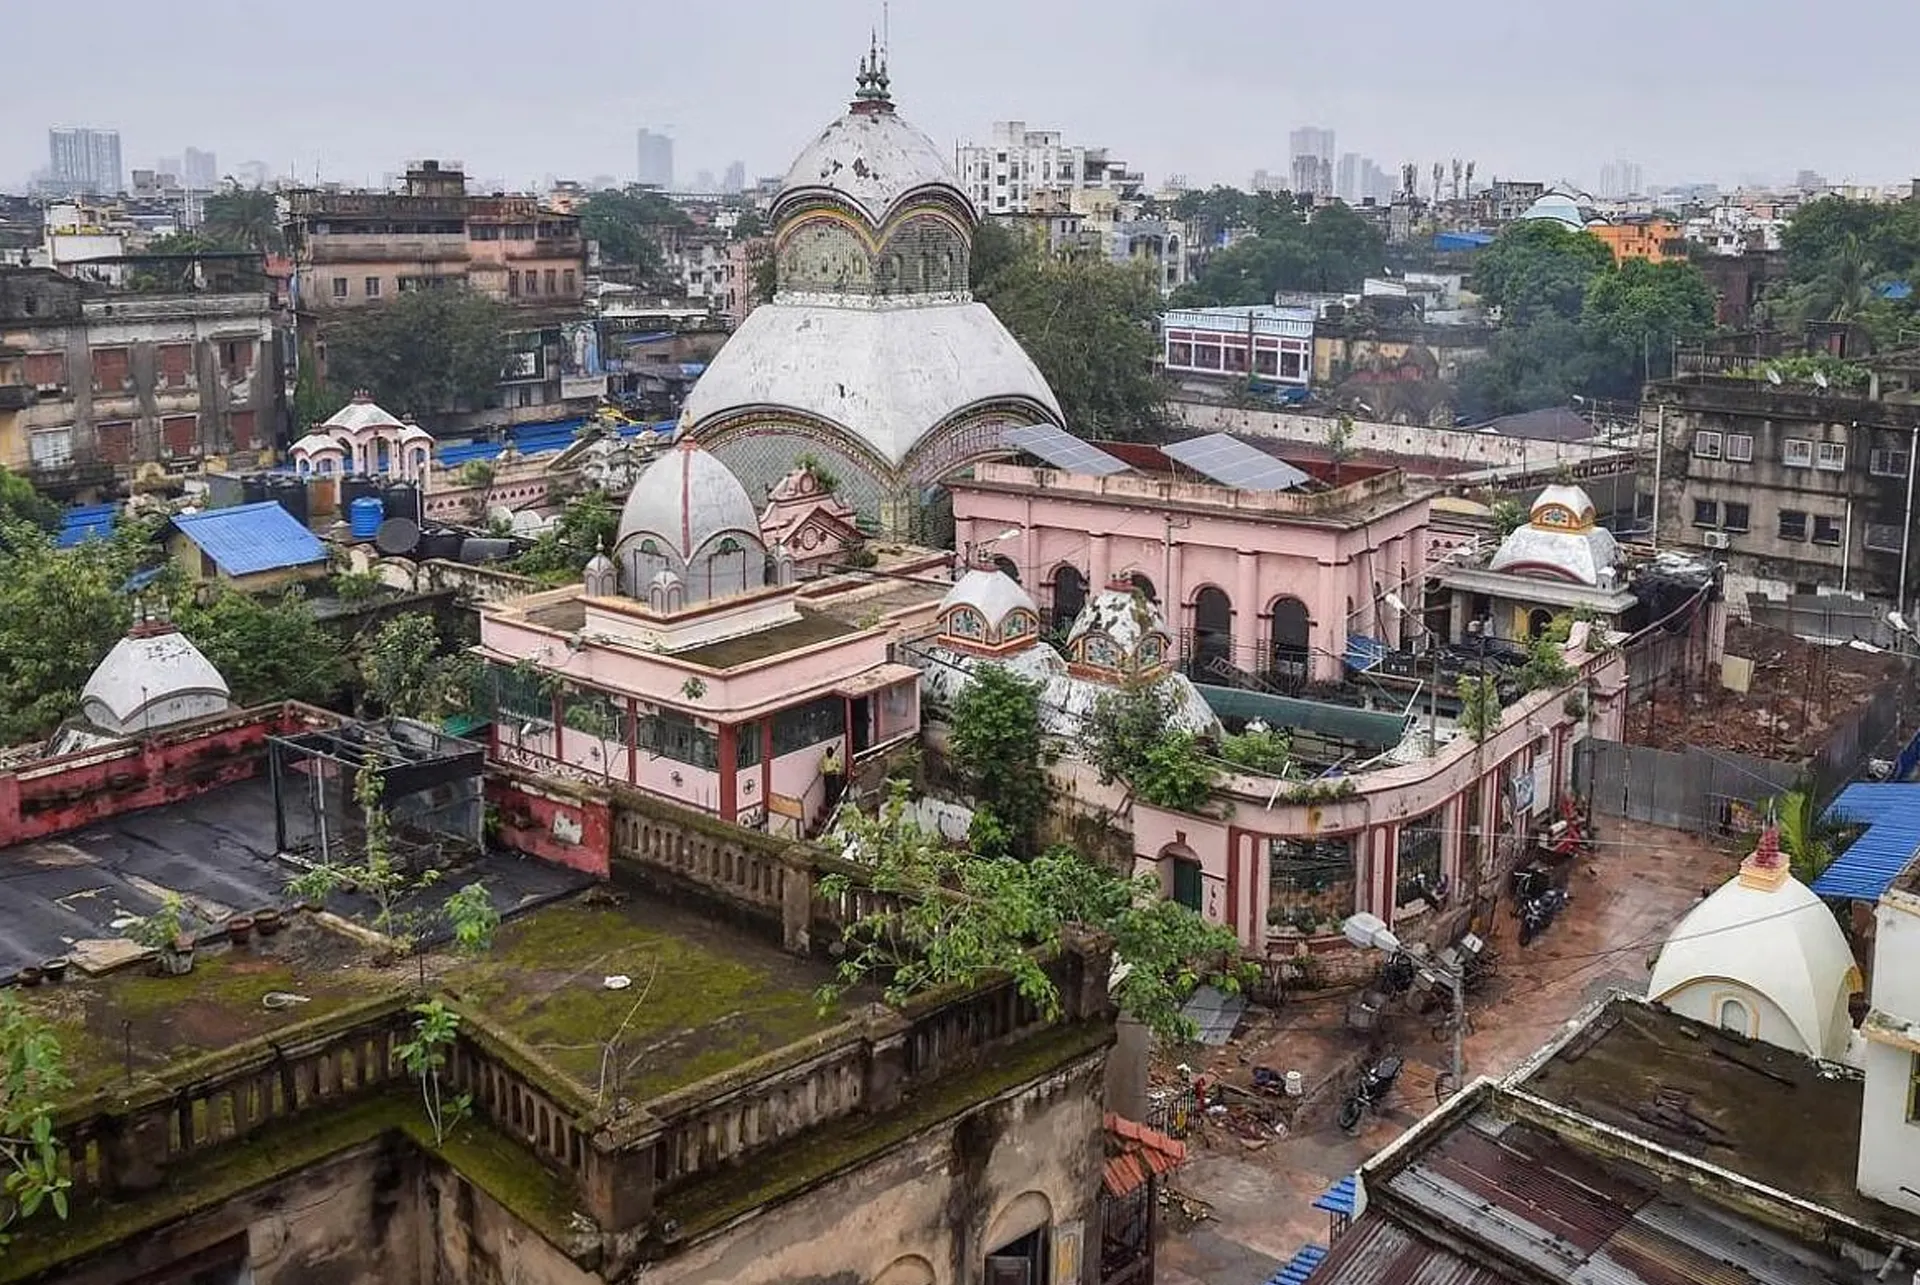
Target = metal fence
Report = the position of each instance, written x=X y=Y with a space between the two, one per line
x=1722 y=792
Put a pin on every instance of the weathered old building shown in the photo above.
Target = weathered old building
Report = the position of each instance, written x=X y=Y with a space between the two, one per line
x=354 y=250
x=179 y=367
x=1798 y=488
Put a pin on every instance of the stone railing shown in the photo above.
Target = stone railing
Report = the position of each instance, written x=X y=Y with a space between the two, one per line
x=122 y=1142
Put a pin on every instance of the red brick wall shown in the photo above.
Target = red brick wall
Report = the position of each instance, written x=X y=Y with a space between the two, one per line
x=70 y=793
x=568 y=829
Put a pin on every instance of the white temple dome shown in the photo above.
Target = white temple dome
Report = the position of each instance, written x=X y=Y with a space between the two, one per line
x=872 y=353
x=991 y=592
x=1560 y=541
x=153 y=677
x=1764 y=941
x=362 y=413
x=685 y=500
x=873 y=159
x=1557 y=207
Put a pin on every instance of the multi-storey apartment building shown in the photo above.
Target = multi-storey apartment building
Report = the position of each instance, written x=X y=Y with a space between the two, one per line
x=1003 y=175
x=96 y=382
x=356 y=249
x=1799 y=489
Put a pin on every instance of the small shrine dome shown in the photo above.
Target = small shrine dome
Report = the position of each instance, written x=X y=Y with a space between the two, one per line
x=1762 y=956
x=152 y=678
x=1119 y=634
x=690 y=515
x=1561 y=540
x=988 y=611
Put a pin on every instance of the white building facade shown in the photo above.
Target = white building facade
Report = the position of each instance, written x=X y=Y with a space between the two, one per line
x=1003 y=175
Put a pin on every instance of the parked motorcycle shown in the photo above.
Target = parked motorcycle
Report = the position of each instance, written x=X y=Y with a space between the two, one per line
x=1375 y=1082
x=1538 y=912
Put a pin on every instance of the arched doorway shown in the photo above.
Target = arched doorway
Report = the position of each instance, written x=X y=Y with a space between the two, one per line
x=1069 y=595
x=1539 y=620
x=1144 y=587
x=1007 y=567
x=1211 y=651
x=1288 y=649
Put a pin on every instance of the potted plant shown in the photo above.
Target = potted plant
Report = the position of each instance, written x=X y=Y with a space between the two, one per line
x=164 y=931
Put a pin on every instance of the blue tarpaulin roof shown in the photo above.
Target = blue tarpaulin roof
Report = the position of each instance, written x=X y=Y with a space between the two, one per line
x=250 y=538
x=1896 y=290
x=1300 y=1266
x=1462 y=240
x=83 y=522
x=1891 y=812
x=1338 y=1199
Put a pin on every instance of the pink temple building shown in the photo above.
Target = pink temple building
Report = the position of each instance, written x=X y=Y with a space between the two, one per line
x=362 y=438
x=689 y=665
x=1269 y=583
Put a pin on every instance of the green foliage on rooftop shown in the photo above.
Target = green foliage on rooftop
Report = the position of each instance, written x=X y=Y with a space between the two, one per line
x=426 y=352
x=996 y=746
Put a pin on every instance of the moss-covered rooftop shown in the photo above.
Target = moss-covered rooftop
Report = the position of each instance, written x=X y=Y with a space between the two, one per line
x=135 y=1021
x=731 y=653
x=701 y=999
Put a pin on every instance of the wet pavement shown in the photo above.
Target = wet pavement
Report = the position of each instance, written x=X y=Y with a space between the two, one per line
x=1260 y=1187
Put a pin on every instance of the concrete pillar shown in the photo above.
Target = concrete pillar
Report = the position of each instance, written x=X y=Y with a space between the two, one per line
x=1099 y=564
x=1246 y=611
x=796 y=902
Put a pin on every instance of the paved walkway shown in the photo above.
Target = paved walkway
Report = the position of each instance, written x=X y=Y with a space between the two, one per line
x=1624 y=901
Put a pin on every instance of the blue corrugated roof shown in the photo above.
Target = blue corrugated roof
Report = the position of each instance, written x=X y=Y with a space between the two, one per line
x=1300 y=1266
x=82 y=522
x=1891 y=812
x=1338 y=1199
x=249 y=538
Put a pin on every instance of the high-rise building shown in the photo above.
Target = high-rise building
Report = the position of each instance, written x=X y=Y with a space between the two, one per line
x=656 y=160
x=199 y=170
x=252 y=173
x=85 y=161
x=1310 y=159
x=736 y=178
x=1621 y=179
x=1003 y=175
x=1346 y=177
x=1310 y=140
x=703 y=182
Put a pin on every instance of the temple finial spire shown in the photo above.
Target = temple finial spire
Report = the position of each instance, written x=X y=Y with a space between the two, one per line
x=871 y=94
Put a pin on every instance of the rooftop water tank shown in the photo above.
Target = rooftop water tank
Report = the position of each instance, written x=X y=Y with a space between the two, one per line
x=364 y=516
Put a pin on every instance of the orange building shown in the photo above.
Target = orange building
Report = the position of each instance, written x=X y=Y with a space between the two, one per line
x=1655 y=240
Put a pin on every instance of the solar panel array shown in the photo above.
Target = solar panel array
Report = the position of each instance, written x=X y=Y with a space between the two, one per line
x=1062 y=450
x=1231 y=462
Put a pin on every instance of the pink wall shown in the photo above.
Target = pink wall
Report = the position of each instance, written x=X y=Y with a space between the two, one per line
x=1254 y=556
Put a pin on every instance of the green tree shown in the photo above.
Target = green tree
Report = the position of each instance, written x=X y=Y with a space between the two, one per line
x=408 y=673
x=1258 y=748
x=244 y=216
x=996 y=746
x=749 y=225
x=1808 y=836
x=1633 y=316
x=198 y=241
x=1088 y=325
x=958 y=919
x=1537 y=267
x=1126 y=737
x=32 y=1076
x=587 y=526
x=1334 y=249
x=1479 y=706
x=20 y=502
x=628 y=224
x=60 y=613
x=268 y=649
x=424 y=351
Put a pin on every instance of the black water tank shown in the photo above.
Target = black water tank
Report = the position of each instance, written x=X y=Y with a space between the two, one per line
x=402 y=500
x=477 y=549
x=355 y=485
x=291 y=492
x=254 y=487
x=440 y=543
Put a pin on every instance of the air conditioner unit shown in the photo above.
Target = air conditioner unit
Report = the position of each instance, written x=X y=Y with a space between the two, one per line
x=1717 y=540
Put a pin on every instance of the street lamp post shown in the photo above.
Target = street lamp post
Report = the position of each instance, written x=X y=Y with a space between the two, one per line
x=1370 y=932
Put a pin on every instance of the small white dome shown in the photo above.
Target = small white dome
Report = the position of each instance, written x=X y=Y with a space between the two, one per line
x=361 y=413
x=991 y=592
x=685 y=500
x=1773 y=937
x=1560 y=540
x=1556 y=207
x=1124 y=615
x=153 y=677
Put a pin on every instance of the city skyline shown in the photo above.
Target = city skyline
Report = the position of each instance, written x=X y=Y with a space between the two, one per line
x=801 y=63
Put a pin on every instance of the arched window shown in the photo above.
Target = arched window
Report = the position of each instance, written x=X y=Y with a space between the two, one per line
x=1144 y=587
x=1069 y=595
x=1539 y=620
x=1734 y=1016
x=1007 y=567
x=1288 y=649
x=1211 y=648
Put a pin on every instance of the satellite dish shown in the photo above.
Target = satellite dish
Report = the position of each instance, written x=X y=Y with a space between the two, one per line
x=1820 y=379
x=1773 y=377
x=397 y=537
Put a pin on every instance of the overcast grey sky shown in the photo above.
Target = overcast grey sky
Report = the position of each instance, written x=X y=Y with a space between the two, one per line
x=1529 y=88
